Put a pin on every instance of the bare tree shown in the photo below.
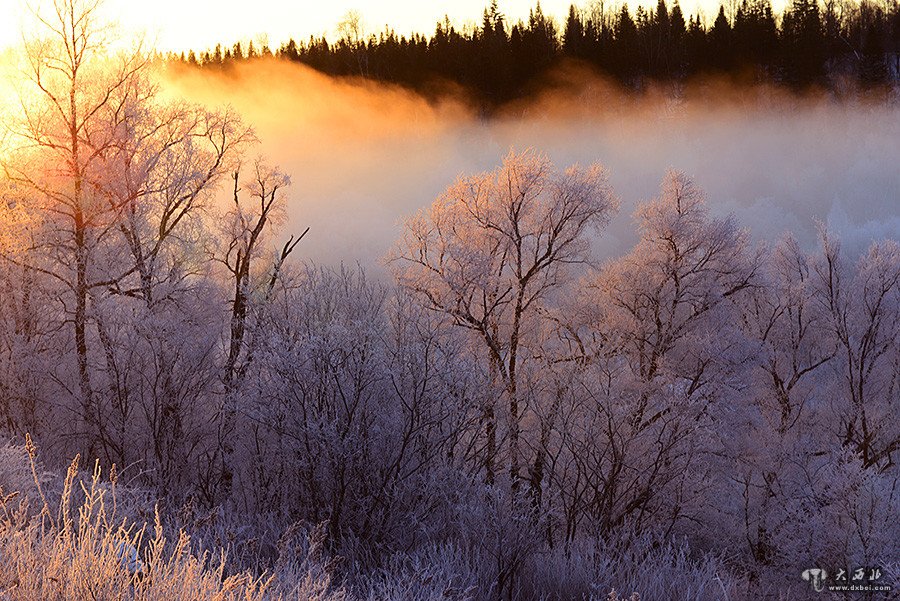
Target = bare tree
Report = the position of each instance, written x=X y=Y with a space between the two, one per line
x=491 y=250
x=788 y=331
x=864 y=310
x=168 y=169
x=661 y=353
x=113 y=176
x=351 y=31
x=246 y=229
x=77 y=118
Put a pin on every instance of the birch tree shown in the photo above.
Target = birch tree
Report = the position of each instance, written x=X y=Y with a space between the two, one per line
x=663 y=351
x=490 y=252
x=114 y=177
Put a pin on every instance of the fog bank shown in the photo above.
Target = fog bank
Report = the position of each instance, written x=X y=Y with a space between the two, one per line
x=362 y=156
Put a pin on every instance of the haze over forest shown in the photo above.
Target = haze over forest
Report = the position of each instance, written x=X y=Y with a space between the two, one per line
x=743 y=104
x=605 y=308
x=778 y=161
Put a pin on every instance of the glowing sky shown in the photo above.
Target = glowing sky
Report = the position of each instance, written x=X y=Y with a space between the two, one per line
x=199 y=24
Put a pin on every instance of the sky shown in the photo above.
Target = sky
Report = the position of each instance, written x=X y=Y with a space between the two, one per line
x=200 y=24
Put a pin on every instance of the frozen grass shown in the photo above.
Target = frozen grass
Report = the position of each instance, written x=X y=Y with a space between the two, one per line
x=89 y=552
x=78 y=543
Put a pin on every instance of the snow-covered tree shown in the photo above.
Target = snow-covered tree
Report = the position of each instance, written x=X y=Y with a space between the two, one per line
x=663 y=358
x=490 y=252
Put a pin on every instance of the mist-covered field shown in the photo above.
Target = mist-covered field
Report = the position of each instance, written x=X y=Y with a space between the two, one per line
x=363 y=156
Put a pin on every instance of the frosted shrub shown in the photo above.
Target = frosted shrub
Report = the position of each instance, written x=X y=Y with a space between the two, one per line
x=654 y=569
x=444 y=572
x=352 y=414
x=304 y=568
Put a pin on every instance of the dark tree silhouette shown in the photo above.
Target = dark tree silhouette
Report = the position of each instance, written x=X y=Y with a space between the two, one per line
x=803 y=43
x=500 y=59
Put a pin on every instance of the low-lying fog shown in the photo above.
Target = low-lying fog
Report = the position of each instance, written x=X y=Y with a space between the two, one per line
x=362 y=156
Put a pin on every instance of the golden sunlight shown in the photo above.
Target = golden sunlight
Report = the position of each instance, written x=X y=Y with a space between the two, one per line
x=8 y=96
x=199 y=24
x=9 y=25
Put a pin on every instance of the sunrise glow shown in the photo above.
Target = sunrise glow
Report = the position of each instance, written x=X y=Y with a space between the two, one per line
x=198 y=24
x=181 y=25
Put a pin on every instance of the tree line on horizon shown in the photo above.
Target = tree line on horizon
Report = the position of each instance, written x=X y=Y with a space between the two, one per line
x=810 y=44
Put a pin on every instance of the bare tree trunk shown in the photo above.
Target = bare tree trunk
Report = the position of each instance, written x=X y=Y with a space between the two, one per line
x=513 y=392
x=81 y=283
x=490 y=454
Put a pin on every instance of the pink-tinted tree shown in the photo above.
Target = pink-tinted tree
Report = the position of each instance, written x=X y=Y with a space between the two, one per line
x=490 y=252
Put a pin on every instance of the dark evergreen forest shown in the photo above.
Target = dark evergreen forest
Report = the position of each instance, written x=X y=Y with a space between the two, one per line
x=830 y=44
